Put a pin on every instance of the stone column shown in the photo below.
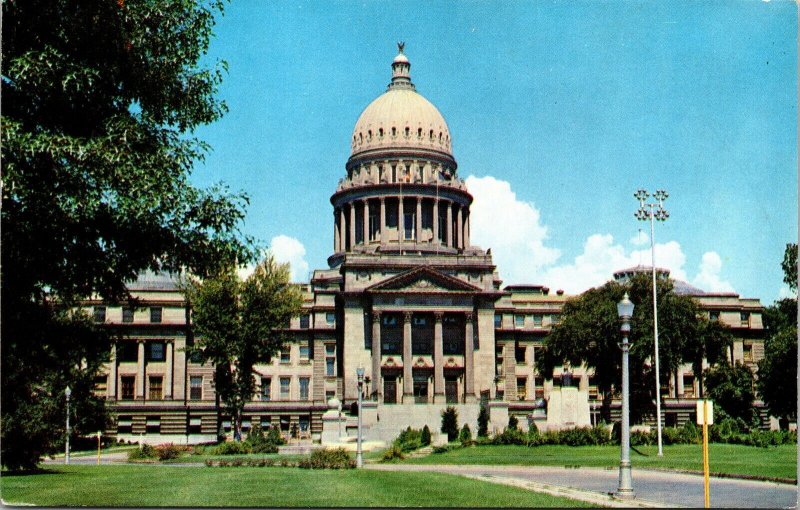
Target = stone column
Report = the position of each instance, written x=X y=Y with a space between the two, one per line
x=377 y=380
x=383 y=220
x=438 y=359
x=436 y=220
x=510 y=364
x=140 y=372
x=466 y=228
x=342 y=230
x=111 y=392
x=401 y=220
x=352 y=225
x=460 y=228
x=168 y=371
x=408 y=380
x=336 y=248
x=419 y=220
x=679 y=383
x=366 y=222
x=469 y=358
x=449 y=224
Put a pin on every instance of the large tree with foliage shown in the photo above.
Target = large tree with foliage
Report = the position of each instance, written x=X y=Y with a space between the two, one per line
x=100 y=101
x=589 y=333
x=239 y=324
x=777 y=372
x=731 y=387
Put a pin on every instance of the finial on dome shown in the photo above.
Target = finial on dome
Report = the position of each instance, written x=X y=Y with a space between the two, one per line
x=401 y=46
x=401 y=70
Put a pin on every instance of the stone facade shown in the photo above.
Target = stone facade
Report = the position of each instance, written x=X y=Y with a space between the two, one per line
x=406 y=296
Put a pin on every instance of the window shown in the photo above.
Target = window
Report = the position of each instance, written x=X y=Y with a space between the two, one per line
x=266 y=422
x=374 y=226
x=100 y=314
x=330 y=360
x=745 y=317
x=127 y=314
x=519 y=353
x=409 y=228
x=453 y=334
x=538 y=384
x=330 y=318
x=266 y=389
x=153 y=425
x=519 y=321
x=286 y=354
x=747 y=352
x=304 y=388
x=713 y=315
x=156 y=387
x=127 y=382
x=537 y=320
x=124 y=424
x=196 y=387
x=304 y=321
x=522 y=384
x=498 y=320
x=127 y=352
x=391 y=334
x=155 y=351
x=303 y=352
x=285 y=387
x=304 y=424
x=688 y=386
x=155 y=314
x=442 y=223
x=329 y=394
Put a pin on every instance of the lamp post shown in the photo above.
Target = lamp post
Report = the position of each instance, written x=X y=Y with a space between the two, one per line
x=67 y=393
x=625 y=488
x=654 y=211
x=359 y=457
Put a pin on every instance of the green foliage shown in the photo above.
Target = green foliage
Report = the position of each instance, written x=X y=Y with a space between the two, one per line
x=777 y=389
x=465 y=436
x=425 y=438
x=100 y=102
x=144 y=452
x=240 y=324
x=392 y=453
x=409 y=440
x=336 y=458
x=264 y=443
x=513 y=422
x=168 y=451
x=233 y=448
x=450 y=423
x=483 y=421
x=731 y=388
x=789 y=266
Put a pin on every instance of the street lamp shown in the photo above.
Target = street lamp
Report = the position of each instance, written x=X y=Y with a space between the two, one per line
x=67 y=393
x=359 y=457
x=625 y=488
x=654 y=211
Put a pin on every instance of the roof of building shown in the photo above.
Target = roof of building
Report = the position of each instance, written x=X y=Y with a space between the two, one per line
x=148 y=280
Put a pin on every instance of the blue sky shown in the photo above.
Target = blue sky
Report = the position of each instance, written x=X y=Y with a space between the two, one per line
x=558 y=112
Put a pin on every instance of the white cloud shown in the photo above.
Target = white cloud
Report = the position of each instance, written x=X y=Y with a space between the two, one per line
x=288 y=249
x=785 y=292
x=640 y=239
x=709 y=276
x=510 y=227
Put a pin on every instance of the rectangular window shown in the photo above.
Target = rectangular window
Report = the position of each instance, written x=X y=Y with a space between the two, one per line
x=519 y=321
x=330 y=318
x=304 y=424
x=538 y=320
x=519 y=353
x=747 y=352
x=303 y=352
x=124 y=424
x=409 y=228
x=304 y=321
x=745 y=317
x=155 y=351
x=127 y=352
x=304 y=388
x=713 y=315
x=155 y=314
x=538 y=383
x=330 y=360
x=156 y=387
x=522 y=388
x=100 y=314
x=153 y=425
x=196 y=387
x=128 y=382
x=285 y=387
x=127 y=314
x=688 y=386
x=266 y=389
x=442 y=223
x=498 y=320
x=374 y=227
x=286 y=354
x=329 y=394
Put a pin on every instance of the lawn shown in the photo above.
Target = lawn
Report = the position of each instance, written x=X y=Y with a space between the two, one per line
x=772 y=462
x=155 y=485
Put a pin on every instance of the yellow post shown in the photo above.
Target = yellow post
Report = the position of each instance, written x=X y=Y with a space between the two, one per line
x=98 y=447
x=705 y=454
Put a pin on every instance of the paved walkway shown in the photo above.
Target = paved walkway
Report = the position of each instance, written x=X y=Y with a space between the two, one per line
x=652 y=488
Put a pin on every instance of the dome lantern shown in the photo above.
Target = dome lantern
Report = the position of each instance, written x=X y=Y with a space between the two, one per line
x=401 y=70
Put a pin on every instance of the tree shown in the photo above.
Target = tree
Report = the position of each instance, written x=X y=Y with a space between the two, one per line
x=450 y=423
x=513 y=422
x=241 y=324
x=731 y=388
x=425 y=437
x=465 y=436
x=589 y=333
x=789 y=265
x=100 y=102
x=483 y=421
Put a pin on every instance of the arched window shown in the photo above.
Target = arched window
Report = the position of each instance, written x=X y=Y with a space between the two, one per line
x=408 y=131
x=394 y=131
x=380 y=133
x=419 y=133
x=431 y=134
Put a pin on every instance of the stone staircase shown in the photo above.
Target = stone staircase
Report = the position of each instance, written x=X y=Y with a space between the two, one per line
x=422 y=452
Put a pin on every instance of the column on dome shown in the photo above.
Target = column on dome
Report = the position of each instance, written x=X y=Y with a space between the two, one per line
x=466 y=228
x=449 y=224
x=140 y=371
x=469 y=358
x=401 y=220
x=366 y=222
x=336 y=244
x=438 y=359
x=352 y=225
x=436 y=220
x=384 y=235
x=377 y=380
x=460 y=227
x=342 y=230
x=408 y=378
x=418 y=222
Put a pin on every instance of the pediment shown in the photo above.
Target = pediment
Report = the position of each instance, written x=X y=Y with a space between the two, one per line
x=422 y=280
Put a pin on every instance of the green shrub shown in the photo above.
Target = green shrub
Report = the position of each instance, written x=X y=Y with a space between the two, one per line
x=426 y=436
x=450 y=423
x=409 y=440
x=513 y=422
x=483 y=421
x=209 y=462
x=336 y=458
x=465 y=436
x=168 y=451
x=144 y=452
x=446 y=448
x=510 y=436
x=264 y=443
x=393 y=452
x=233 y=448
x=269 y=462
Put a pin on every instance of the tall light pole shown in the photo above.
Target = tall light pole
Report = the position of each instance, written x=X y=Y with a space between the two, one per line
x=625 y=488
x=67 y=393
x=359 y=457
x=654 y=211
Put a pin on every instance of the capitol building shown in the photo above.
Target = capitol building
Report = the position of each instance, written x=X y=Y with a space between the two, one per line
x=406 y=296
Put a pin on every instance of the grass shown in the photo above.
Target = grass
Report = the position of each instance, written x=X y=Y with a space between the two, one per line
x=772 y=462
x=164 y=486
